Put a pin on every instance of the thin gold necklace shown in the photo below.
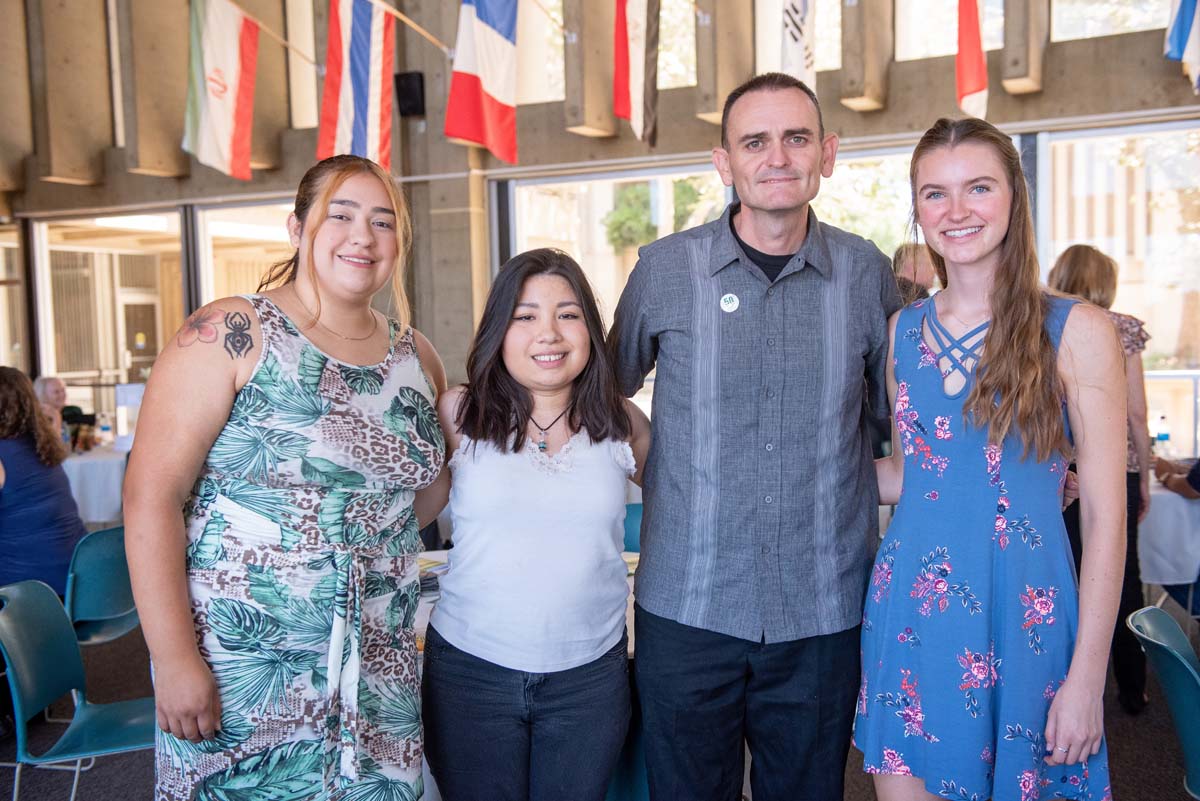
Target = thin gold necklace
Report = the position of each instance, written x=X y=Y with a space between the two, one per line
x=317 y=320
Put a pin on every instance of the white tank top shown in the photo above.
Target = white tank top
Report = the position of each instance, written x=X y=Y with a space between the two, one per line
x=536 y=580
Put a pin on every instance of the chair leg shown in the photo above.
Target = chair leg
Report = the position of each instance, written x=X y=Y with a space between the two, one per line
x=75 y=783
x=17 y=782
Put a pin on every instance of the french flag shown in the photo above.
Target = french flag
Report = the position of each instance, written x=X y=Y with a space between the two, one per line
x=1183 y=39
x=482 y=108
x=970 y=65
x=356 y=108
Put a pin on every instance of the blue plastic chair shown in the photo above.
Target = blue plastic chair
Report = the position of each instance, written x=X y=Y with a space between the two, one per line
x=99 y=598
x=43 y=663
x=1178 y=672
x=633 y=527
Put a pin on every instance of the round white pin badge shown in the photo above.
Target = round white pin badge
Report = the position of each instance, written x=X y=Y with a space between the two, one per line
x=730 y=303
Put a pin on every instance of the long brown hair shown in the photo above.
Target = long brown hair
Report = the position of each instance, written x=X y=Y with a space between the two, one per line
x=315 y=191
x=1087 y=273
x=495 y=407
x=22 y=416
x=1017 y=383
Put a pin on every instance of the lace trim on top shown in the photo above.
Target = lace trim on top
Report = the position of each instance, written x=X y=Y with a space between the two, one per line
x=562 y=461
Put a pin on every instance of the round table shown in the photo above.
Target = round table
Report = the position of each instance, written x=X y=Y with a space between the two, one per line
x=1169 y=539
x=96 y=478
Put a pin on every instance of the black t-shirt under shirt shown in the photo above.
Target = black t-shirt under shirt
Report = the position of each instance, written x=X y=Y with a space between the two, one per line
x=770 y=264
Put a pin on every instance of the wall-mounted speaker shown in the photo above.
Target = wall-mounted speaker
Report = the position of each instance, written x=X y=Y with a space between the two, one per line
x=410 y=94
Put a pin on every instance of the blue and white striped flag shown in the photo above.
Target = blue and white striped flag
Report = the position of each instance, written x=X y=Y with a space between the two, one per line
x=1183 y=39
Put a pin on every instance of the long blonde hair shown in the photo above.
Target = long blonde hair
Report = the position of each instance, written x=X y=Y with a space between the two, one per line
x=21 y=415
x=316 y=189
x=1087 y=273
x=1017 y=384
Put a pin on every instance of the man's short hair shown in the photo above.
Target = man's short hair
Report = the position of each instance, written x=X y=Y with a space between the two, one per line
x=768 y=82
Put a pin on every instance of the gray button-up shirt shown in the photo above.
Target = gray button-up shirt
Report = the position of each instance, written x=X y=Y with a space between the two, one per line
x=760 y=496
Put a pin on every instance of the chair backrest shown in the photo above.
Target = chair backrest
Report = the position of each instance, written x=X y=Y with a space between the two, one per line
x=1178 y=670
x=39 y=646
x=98 y=585
x=633 y=527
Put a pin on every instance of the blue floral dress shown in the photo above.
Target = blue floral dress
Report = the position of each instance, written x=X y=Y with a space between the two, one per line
x=302 y=571
x=972 y=608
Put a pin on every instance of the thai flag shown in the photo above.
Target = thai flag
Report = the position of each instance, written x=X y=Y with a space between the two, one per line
x=356 y=108
x=1183 y=39
x=483 y=88
x=970 y=65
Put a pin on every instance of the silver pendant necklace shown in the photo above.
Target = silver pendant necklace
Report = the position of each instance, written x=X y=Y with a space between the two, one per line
x=541 y=445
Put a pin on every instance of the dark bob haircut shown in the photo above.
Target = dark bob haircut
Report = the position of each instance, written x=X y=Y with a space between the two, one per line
x=495 y=408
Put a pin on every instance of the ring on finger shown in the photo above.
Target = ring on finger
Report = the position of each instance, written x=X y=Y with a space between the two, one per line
x=1064 y=750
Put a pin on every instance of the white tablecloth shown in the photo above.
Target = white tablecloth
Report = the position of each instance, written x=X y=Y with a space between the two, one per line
x=1169 y=539
x=96 y=478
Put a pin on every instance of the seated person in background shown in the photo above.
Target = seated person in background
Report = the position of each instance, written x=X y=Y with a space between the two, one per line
x=51 y=393
x=1178 y=478
x=39 y=522
x=914 y=271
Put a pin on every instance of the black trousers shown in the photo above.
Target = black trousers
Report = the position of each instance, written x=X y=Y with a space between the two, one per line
x=704 y=694
x=1129 y=663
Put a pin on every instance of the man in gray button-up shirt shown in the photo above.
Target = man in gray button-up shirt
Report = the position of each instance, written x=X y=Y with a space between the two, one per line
x=768 y=330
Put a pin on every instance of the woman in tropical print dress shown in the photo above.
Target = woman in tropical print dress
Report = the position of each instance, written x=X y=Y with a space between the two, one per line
x=273 y=500
x=983 y=665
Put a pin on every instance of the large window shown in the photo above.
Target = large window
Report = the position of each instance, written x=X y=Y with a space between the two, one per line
x=14 y=333
x=869 y=195
x=1135 y=194
x=115 y=295
x=603 y=221
x=1083 y=19
x=928 y=28
x=238 y=245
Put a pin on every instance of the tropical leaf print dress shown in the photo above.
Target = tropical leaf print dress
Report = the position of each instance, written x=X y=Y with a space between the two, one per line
x=302 y=569
x=972 y=609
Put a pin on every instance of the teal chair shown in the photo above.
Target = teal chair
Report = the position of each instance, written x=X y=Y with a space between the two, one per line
x=99 y=598
x=633 y=527
x=1178 y=672
x=43 y=662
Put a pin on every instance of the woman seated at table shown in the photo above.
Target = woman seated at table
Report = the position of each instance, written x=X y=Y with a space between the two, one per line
x=1178 y=478
x=526 y=691
x=51 y=393
x=39 y=523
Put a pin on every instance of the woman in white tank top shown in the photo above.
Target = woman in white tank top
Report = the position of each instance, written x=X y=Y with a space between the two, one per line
x=525 y=689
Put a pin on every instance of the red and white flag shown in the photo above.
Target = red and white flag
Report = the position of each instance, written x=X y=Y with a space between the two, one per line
x=356 y=105
x=970 y=65
x=635 y=66
x=223 y=44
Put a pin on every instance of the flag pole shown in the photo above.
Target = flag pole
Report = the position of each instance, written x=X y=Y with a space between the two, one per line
x=271 y=34
x=409 y=22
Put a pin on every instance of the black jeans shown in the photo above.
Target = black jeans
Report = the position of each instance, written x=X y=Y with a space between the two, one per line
x=1129 y=663
x=495 y=734
x=703 y=694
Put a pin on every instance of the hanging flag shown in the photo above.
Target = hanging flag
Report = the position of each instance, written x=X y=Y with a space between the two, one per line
x=1183 y=39
x=223 y=53
x=970 y=64
x=482 y=107
x=635 y=66
x=356 y=106
x=799 y=58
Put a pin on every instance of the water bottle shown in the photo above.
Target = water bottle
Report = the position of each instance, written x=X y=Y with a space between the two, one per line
x=106 y=432
x=1162 y=439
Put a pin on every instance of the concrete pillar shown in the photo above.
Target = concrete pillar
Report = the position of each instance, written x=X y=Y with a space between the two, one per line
x=588 y=64
x=70 y=90
x=16 y=134
x=724 y=53
x=1026 y=34
x=449 y=267
x=153 y=43
x=868 y=42
x=302 y=76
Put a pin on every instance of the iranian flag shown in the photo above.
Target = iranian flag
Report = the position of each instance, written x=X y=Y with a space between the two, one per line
x=220 y=105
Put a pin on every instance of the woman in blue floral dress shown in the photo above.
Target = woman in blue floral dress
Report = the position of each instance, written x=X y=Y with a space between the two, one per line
x=273 y=500
x=983 y=665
